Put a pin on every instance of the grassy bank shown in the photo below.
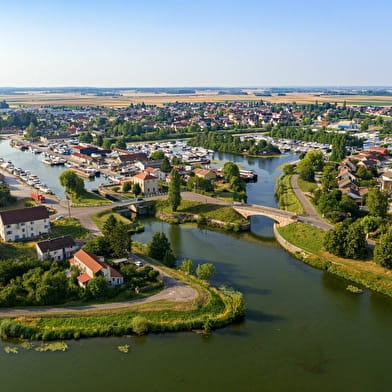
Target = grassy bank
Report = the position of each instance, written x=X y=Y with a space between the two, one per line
x=287 y=200
x=210 y=309
x=306 y=186
x=363 y=272
x=88 y=199
x=193 y=211
x=100 y=218
x=20 y=203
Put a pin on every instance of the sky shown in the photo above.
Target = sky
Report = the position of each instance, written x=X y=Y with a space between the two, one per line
x=170 y=43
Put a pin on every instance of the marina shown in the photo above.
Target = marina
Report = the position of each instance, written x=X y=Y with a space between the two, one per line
x=41 y=177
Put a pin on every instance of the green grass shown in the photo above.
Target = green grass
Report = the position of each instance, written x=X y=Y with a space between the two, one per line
x=69 y=226
x=17 y=250
x=20 y=203
x=287 y=199
x=365 y=273
x=89 y=199
x=100 y=218
x=306 y=186
x=210 y=211
x=299 y=234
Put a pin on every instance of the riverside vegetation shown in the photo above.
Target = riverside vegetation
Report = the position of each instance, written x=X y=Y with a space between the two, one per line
x=211 y=309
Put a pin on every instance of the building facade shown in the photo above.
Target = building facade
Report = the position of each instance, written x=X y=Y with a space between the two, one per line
x=56 y=249
x=24 y=223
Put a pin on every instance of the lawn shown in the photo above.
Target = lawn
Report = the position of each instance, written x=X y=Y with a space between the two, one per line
x=69 y=226
x=211 y=211
x=287 y=199
x=307 y=186
x=89 y=199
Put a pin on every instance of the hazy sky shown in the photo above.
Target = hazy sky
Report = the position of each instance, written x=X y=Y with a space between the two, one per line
x=195 y=43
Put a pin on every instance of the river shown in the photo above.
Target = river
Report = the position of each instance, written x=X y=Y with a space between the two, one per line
x=303 y=330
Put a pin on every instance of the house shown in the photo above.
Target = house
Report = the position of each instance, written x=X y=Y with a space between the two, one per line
x=156 y=173
x=90 y=265
x=24 y=223
x=205 y=174
x=56 y=249
x=148 y=183
x=386 y=181
x=379 y=150
x=131 y=158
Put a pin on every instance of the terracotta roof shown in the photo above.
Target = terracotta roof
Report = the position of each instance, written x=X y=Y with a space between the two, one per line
x=56 y=243
x=24 y=215
x=145 y=176
x=113 y=273
x=89 y=260
x=84 y=278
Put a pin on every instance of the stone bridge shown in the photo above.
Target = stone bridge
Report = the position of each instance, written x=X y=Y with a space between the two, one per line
x=282 y=217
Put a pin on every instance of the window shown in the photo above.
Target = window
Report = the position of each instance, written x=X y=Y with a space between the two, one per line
x=9 y=232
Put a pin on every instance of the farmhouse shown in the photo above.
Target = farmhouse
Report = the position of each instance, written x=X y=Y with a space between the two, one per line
x=24 y=223
x=90 y=265
x=56 y=249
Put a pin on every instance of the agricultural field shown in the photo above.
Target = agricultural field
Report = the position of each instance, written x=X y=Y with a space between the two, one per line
x=128 y=97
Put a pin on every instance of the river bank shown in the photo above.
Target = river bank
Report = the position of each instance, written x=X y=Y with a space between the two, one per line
x=205 y=308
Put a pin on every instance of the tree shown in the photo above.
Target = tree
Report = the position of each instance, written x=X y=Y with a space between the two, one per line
x=136 y=190
x=158 y=246
x=126 y=187
x=328 y=179
x=165 y=166
x=108 y=226
x=338 y=148
x=97 y=287
x=230 y=169
x=99 y=246
x=334 y=239
x=305 y=170
x=187 y=266
x=377 y=202
x=205 y=271
x=169 y=259
x=120 y=240
x=316 y=159
x=72 y=182
x=174 y=196
x=383 y=250
x=159 y=154
x=288 y=169
x=355 y=242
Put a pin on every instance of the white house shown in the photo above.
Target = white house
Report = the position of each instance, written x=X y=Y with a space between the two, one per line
x=24 y=223
x=56 y=249
x=89 y=265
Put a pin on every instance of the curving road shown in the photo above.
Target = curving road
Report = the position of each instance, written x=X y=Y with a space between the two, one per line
x=173 y=291
x=312 y=217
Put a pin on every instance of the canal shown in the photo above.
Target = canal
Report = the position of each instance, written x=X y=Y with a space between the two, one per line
x=303 y=330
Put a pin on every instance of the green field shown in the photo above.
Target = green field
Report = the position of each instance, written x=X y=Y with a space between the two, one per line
x=307 y=186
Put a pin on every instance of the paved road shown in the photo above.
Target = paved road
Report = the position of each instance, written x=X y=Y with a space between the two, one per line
x=173 y=291
x=311 y=217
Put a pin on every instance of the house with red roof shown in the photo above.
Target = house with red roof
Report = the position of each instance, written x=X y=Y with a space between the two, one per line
x=90 y=265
